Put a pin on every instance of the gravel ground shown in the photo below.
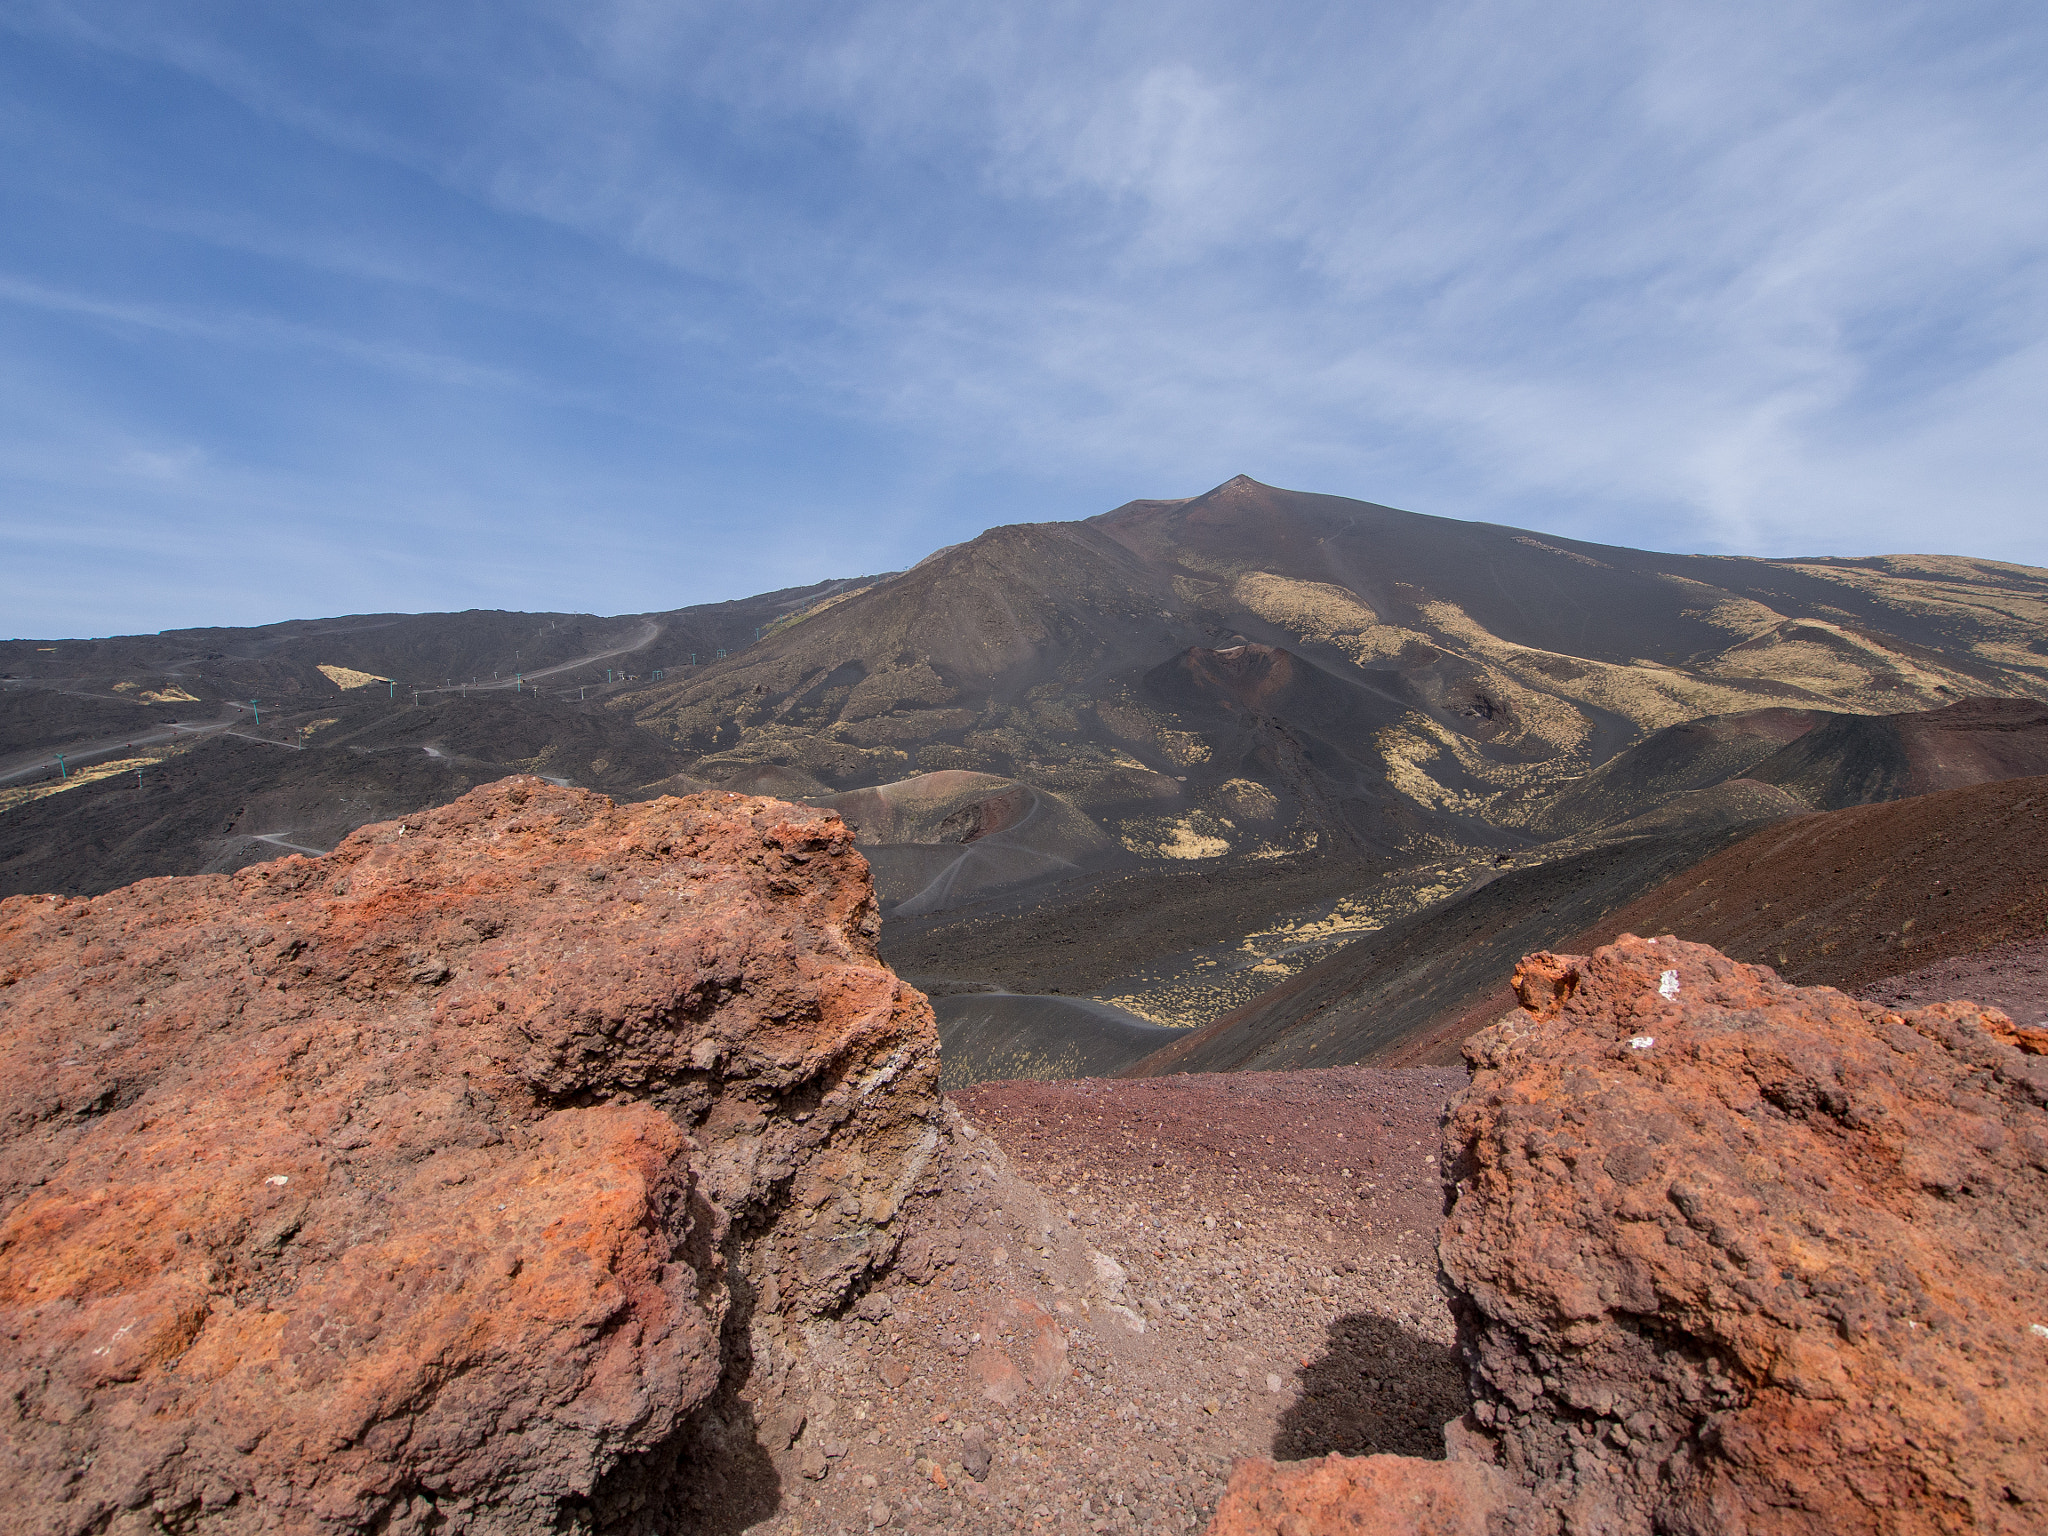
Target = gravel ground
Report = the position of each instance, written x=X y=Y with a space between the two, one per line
x=2010 y=977
x=1112 y=1292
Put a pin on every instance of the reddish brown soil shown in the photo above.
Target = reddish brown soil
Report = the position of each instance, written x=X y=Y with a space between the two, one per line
x=1852 y=897
x=2013 y=979
x=1287 y=1310
x=1352 y=1148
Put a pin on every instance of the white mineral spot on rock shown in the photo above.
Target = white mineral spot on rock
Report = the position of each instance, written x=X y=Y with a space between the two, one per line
x=2038 y=1331
x=279 y=1178
x=1667 y=984
x=1642 y=1042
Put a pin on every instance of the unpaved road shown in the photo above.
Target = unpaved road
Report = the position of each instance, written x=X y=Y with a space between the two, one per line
x=649 y=632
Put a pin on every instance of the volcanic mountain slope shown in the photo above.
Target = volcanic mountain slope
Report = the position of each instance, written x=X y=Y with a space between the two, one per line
x=1249 y=675
x=1849 y=898
x=1860 y=895
x=1812 y=760
x=1420 y=977
x=218 y=799
x=377 y=711
x=1256 y=670
x=302 y=657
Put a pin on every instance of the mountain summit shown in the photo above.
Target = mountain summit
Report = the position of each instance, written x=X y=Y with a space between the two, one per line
x=1417 y=676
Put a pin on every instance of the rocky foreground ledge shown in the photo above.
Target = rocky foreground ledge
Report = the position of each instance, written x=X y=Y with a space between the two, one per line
x=1727 y=1255
x=432 y=1184
x=545 y=1165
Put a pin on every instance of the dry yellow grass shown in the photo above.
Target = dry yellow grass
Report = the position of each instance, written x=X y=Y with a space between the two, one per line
x=171 y=695
x=346 y=678
x=91 y=774
x=1197 y=835
x=1245 y=798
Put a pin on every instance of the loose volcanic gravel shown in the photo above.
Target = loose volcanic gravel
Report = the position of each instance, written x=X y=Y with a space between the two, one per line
x=2009 y=977
x=1111 y=1291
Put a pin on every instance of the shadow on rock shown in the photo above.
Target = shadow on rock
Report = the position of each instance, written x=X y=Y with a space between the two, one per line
x=1376 y=1387
x=711 y=1478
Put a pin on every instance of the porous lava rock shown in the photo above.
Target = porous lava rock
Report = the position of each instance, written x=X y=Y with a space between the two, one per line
x=433 y=1183
x=1731 y=1255
x=1727 y=1255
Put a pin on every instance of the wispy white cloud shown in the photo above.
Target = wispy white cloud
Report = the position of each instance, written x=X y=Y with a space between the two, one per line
x=1761 y=277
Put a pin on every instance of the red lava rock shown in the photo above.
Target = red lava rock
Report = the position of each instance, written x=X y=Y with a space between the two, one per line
x=1373 y=1495
x=1039 y=1340
x=999 y=1379
x=1730 y=1255
x=402 y=1188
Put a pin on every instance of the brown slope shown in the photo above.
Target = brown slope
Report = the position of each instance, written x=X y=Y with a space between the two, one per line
x=1851 y=897
x=1821 y=760
x=1683 y=759
x=1914 y=901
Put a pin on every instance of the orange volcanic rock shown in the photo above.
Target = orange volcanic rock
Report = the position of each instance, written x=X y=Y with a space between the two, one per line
x=1728 y=1255
x=1731 y=1255
x=1370 y=1495
x=421 y=1185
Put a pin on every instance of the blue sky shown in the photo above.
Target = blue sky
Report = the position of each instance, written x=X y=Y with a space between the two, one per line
x=618 y=305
